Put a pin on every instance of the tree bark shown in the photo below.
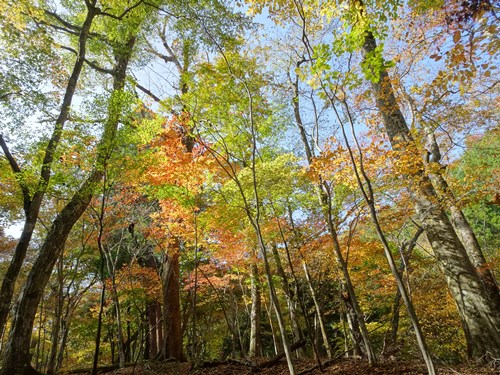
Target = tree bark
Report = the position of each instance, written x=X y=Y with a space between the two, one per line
x=99 y=320
x=296 y=330
x=458 y=219
x=479 y=308
x=16 y=357
x=58 y=316
x=255 y=348
x=172 y=346
x=319 y=313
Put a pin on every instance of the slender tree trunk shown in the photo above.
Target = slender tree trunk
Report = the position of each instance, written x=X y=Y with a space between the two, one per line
x=298 y=293
x=119 y=324
x=319 y=313
x=32 y=204
x=16 y=358
x=353 y=324
x=154 y=319
x=365 y=186
x=255 y=348
x=296 y=330
x=343 y=320
x=405 y=251
x=111 y=268
x=276 y=341
x=58 y=316
x=39 y=335
x=325 y=202
x=62 y=345
x=155 y=323
x=478 y=302
x=103 y=295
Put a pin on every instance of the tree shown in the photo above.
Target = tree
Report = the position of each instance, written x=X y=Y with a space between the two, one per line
x=16 y=358
x=477 y=297
x=33 y=201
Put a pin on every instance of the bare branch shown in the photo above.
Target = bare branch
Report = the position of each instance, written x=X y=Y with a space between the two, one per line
x=174 y=58
x=147 y=92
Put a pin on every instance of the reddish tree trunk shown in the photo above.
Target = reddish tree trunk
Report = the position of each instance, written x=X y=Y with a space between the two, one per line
x=172 y=322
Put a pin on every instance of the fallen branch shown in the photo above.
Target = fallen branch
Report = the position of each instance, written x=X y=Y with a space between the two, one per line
x=273 y=361
x=327 y=363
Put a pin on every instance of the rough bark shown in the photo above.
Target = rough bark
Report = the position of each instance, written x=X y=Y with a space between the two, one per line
x=478 y=307
x=16 y=357
x=172 y=327
x=458 y=219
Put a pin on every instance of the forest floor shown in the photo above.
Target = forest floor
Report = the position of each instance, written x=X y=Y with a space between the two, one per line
x=338 y=367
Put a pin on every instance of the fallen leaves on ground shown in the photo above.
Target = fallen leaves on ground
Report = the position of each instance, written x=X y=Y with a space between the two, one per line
x=347 y=366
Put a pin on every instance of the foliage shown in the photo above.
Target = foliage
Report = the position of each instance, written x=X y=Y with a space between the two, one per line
x=204 y=166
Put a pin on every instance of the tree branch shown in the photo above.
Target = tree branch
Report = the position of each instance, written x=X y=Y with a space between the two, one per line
x=62 y=21
x=147 y=92
x=92 y=64
x=17 y=170
x=7 y=94
x=173 y=58
x=125 y=12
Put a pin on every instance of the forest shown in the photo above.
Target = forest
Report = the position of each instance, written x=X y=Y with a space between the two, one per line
x=232 y=187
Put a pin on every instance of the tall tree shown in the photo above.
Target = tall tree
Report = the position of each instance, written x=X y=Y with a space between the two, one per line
x=477 y=299
x=33 y=201
x=16 y=357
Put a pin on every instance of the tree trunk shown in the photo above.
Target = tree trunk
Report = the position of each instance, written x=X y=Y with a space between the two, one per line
x=278 y=347
x=325 y=202
x=478 y=306
x=319 y=313
x=58 y=316
x=119 y=326
x=296 y=330
x=16 y=357
x=172 y=346
x=155 y=328
x=154 y=332
x=101 y=311
x=255 y=348
x=458 y=219
x=405 y=251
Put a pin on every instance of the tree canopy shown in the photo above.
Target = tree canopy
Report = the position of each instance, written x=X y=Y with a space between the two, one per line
x=248 y=181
